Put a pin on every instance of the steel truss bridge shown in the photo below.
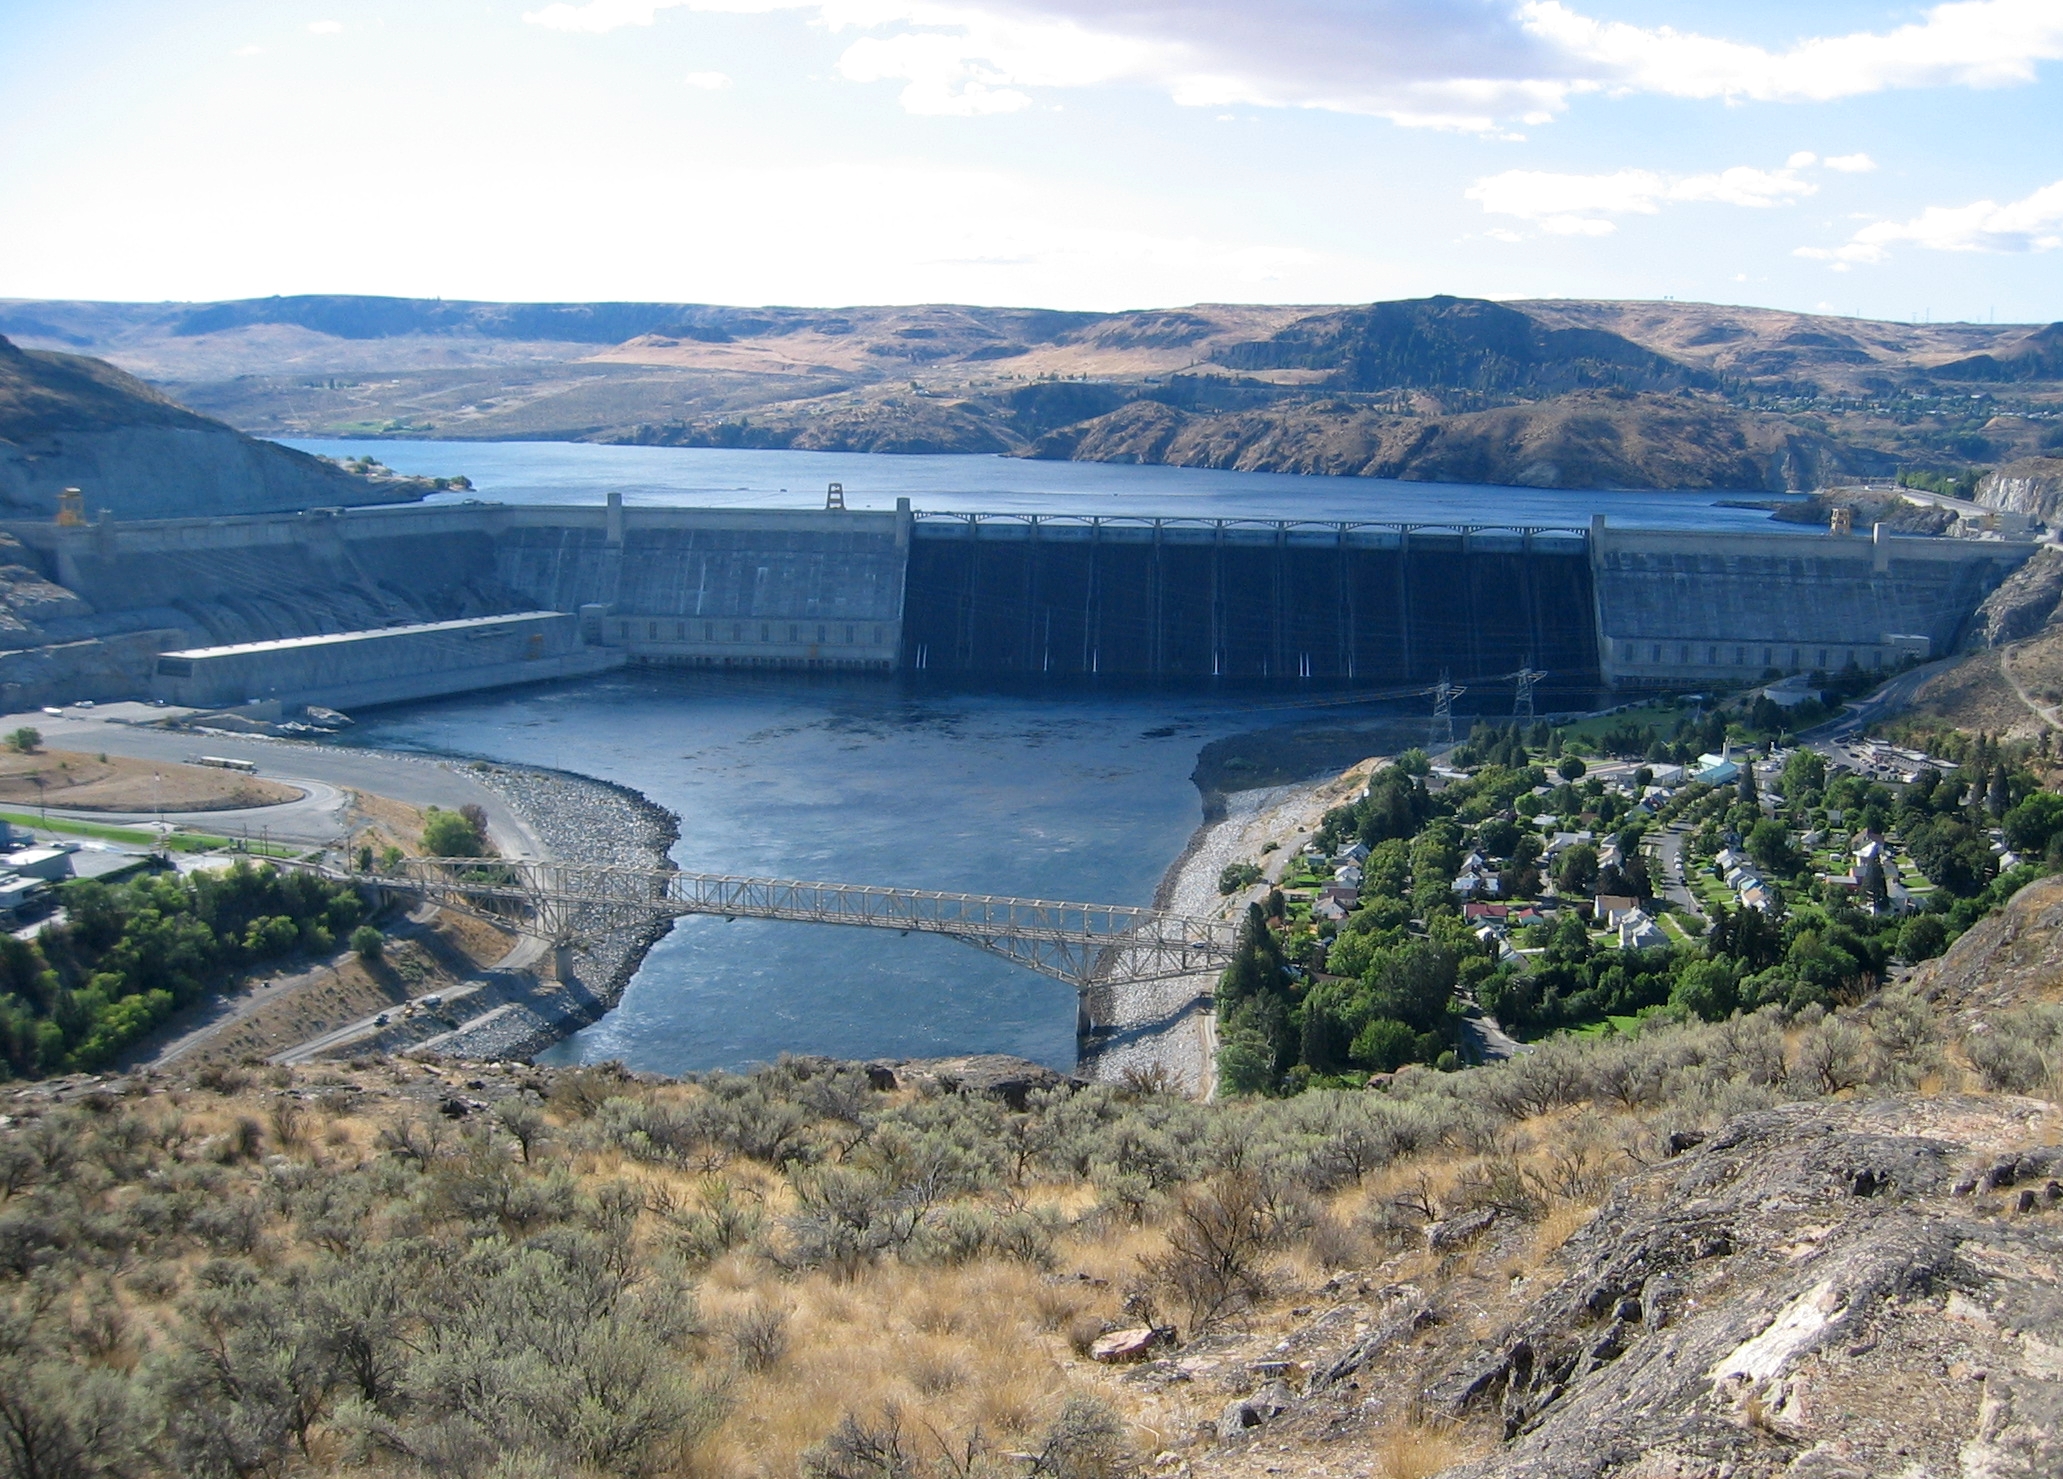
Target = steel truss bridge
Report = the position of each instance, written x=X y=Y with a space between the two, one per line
x=1081 y=944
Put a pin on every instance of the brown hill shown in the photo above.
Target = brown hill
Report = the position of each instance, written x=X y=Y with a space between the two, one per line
x=1784 y=397
x=70 y=421
x=1581 y=440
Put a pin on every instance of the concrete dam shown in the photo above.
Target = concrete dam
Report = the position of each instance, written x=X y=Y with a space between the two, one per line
x=411 y=601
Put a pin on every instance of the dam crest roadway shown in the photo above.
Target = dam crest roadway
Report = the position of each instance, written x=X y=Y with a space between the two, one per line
x=1085 y=945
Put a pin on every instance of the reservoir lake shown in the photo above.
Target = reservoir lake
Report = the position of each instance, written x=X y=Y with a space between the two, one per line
x=1081 y=796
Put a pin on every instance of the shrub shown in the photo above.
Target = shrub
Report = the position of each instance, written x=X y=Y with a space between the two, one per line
x=369 y=943
x=1235 y=876
x=23 y=741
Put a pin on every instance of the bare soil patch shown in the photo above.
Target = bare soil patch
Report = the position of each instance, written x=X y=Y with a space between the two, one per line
x=78 y=781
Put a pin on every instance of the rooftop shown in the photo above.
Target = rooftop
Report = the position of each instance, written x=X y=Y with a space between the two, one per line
x=286 y=644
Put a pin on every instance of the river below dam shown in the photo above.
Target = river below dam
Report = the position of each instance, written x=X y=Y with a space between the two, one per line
x=1082 y=797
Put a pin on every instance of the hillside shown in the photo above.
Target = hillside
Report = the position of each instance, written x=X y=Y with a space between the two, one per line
x=1771 y=399
x=70 y=421
x=1803 y=1244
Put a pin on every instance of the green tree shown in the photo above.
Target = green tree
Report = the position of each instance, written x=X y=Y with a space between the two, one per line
x=1575 y=871
x=1770 y=846
x=368 y=942
x=23 y=741
x=450 y=834
x=1922 y=937
x=2030 y=825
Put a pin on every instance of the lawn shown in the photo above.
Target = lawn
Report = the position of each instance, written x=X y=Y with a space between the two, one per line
x=1662 y=718
x=143 y=837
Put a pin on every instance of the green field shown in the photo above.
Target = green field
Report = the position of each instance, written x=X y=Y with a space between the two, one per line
x=144 y=837
x=1662 y=718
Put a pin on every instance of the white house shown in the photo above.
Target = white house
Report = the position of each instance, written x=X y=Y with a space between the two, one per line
x=1638 y=932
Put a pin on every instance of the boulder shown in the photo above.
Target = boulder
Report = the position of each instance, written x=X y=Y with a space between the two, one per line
x=1135 y=1344
x=1264 y=1406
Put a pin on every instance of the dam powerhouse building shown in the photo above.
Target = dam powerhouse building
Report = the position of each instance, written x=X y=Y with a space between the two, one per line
x=377 y=605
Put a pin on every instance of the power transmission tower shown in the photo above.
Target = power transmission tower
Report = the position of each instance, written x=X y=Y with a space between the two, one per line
x=1443 y=694
x=1522 y=700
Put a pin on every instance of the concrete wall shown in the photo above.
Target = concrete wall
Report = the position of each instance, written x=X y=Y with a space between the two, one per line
x=1362 y=603
x=393 y=665
x=712 y=587
x=1689 y=609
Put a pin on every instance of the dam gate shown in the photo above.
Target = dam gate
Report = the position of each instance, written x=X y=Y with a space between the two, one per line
x=1372 y=604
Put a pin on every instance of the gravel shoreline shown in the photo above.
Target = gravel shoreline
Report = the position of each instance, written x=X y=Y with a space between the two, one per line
x=579 y=820
x=1167 y=1029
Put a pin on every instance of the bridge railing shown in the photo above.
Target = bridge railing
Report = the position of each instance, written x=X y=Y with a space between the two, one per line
x=1075 y=941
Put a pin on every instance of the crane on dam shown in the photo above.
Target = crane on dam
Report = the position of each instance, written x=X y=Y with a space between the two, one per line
x=1082 y=944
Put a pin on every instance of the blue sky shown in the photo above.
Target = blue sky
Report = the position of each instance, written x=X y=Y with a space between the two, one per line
x=1889 y=160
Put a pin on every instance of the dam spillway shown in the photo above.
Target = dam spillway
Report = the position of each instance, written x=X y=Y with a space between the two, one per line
x=983 y=597
x=1244 y=600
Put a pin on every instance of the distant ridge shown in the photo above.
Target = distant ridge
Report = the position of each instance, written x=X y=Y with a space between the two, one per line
x=1563 y=392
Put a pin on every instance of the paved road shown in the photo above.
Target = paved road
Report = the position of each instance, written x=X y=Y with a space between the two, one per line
x=1881 y=704
x=1488 y=1041
x=322 y=769
x=1669 y=869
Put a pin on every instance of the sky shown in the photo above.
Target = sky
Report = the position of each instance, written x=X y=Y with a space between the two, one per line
x=1841 y=156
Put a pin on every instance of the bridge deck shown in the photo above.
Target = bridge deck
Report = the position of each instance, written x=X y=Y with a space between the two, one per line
x=1078 y=943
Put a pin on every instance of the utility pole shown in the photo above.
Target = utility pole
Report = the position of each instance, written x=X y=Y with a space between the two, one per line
x=1522 y=700
x=1443 y=694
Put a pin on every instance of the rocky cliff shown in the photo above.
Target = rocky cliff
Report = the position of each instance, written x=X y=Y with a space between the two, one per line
x=2031 y=486
x=68 y=421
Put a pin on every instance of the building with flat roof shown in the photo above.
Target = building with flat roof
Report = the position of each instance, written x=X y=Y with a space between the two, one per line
x=386 y=665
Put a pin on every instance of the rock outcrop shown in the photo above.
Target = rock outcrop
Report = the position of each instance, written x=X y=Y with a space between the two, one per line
x=68 y=421
x=1823 y=1289
x=2022 y=605
x=2012 y=959
x=2031 y=486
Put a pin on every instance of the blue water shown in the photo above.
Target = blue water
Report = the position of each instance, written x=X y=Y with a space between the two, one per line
x=582 y=472
x=1084 y=798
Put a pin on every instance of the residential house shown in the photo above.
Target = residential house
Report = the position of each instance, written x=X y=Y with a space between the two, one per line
x=1348 y=874
x=1329 y=908
x=1609 y=909
x=1356 y=852
x=1639 y=932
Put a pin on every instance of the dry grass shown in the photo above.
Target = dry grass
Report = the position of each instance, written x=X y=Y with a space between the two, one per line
x=1412 y=1450
x=79 y=781
x=951 y=1349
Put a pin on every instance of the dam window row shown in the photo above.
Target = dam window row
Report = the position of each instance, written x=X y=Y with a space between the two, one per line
x=827 y=633
x=1742 y=655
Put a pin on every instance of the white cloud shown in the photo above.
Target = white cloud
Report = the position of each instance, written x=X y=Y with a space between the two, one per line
x=1803 y=159
x=707 y=81
x=248 y=51
x=1975 y=43
x=325 y=28
x=1479 y=65
x=1577 y=205
x=2032 y=224
x=1851 y=164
